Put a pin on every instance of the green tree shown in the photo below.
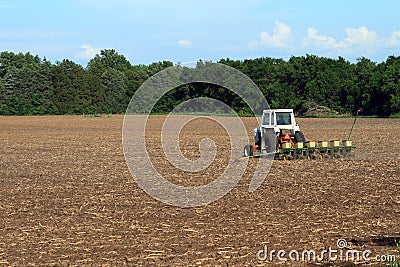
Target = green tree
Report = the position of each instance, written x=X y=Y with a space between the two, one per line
x=368 y=79
x=114 y=85
x=390 y=90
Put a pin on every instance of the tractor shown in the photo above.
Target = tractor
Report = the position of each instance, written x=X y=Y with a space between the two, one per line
x=280 y=136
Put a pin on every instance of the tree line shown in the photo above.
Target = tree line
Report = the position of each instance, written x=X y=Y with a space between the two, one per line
x=30 y=85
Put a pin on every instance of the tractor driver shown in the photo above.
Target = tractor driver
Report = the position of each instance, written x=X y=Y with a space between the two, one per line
x=280 y=120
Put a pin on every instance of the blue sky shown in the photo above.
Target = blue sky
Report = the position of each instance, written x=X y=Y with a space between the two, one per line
x=147 y=31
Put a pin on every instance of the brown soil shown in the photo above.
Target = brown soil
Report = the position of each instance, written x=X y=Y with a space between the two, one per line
x=67 y=197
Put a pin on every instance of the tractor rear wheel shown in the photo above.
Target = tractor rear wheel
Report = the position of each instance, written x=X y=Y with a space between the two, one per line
x=270 y=140
x=299 y=137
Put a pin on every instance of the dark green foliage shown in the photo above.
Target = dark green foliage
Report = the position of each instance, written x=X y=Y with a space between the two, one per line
x=334 y=83
x=30 y=85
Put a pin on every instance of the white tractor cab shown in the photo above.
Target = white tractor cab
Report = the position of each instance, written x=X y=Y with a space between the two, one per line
x=277 y=126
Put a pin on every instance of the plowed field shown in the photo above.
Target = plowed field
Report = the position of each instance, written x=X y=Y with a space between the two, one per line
x=67 y=197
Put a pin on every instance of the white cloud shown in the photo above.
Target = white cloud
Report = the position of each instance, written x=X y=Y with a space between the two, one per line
x=393 y=40
x=358 y=41
x=362 y=38
x=184 y=43
x=320 y=41
x=88 y=52
x=281 y=37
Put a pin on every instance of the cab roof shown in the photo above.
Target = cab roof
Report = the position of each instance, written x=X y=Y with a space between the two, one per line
x=278 y=110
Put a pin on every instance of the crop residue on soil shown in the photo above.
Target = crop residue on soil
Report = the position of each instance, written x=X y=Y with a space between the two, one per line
x=67 y=197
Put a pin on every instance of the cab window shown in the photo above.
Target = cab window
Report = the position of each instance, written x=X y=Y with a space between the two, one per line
x=266 y=119
x=283 y=118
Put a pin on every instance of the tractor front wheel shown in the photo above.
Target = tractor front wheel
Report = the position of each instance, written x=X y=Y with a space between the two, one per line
x=248 y=151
